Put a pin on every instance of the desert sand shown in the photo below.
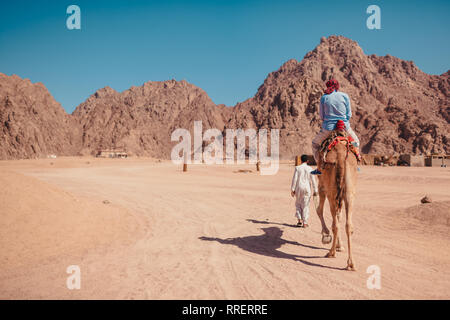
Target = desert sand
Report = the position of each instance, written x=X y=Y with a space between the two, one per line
x=143 y=229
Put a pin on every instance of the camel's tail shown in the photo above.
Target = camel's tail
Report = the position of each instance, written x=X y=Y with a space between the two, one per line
x=340 y=177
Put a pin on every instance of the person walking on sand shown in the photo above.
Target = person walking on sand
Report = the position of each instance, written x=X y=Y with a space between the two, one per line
x=301 y=189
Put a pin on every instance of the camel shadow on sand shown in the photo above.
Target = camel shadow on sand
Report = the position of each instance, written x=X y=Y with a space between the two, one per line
x=270 y=222
x=268 y=244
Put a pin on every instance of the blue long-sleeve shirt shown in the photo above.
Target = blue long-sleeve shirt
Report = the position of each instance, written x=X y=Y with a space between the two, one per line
x=333 y=107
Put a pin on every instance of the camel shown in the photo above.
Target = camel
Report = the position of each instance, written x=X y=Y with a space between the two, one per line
x=337 y=183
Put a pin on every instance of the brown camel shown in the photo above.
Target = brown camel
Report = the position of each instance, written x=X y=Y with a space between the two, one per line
x=337 y=183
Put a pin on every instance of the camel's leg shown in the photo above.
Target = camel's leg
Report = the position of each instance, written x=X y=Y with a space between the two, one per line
x=339 y=246
x=349 y=230
x=335 y=228
x=325 y=231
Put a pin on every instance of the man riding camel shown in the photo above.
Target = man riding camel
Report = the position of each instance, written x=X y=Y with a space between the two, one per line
x=334 y=106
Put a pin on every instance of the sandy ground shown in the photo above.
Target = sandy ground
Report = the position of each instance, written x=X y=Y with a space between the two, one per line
x=212 y=233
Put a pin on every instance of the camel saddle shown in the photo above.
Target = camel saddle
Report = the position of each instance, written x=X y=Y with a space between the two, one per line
x=335 y=137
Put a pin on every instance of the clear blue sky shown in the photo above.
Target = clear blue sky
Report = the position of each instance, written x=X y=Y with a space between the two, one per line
x=225 y=47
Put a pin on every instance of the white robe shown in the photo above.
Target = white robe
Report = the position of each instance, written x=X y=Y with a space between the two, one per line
x=301 y=184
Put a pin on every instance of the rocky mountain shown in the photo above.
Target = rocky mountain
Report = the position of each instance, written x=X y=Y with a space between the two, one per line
x=396 y=109
x=142 y=119
x=32 y=123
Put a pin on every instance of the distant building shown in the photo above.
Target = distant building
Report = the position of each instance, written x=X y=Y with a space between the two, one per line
x=437 y=160
x=411 y=160
x=111 y=154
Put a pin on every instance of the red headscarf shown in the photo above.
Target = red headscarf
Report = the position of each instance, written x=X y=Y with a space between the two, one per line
x=332 y=85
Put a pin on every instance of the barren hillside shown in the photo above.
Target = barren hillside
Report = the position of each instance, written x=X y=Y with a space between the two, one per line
x=32 y=123
x=141 y=119
x=397 y=108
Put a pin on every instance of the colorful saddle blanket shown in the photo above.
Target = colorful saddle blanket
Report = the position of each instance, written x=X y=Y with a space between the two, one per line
x=333 y=139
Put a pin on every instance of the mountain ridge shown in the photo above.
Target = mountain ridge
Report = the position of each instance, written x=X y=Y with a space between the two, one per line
x=396 y=107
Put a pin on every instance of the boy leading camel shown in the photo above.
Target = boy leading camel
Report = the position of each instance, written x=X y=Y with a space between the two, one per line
x=301 y=189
